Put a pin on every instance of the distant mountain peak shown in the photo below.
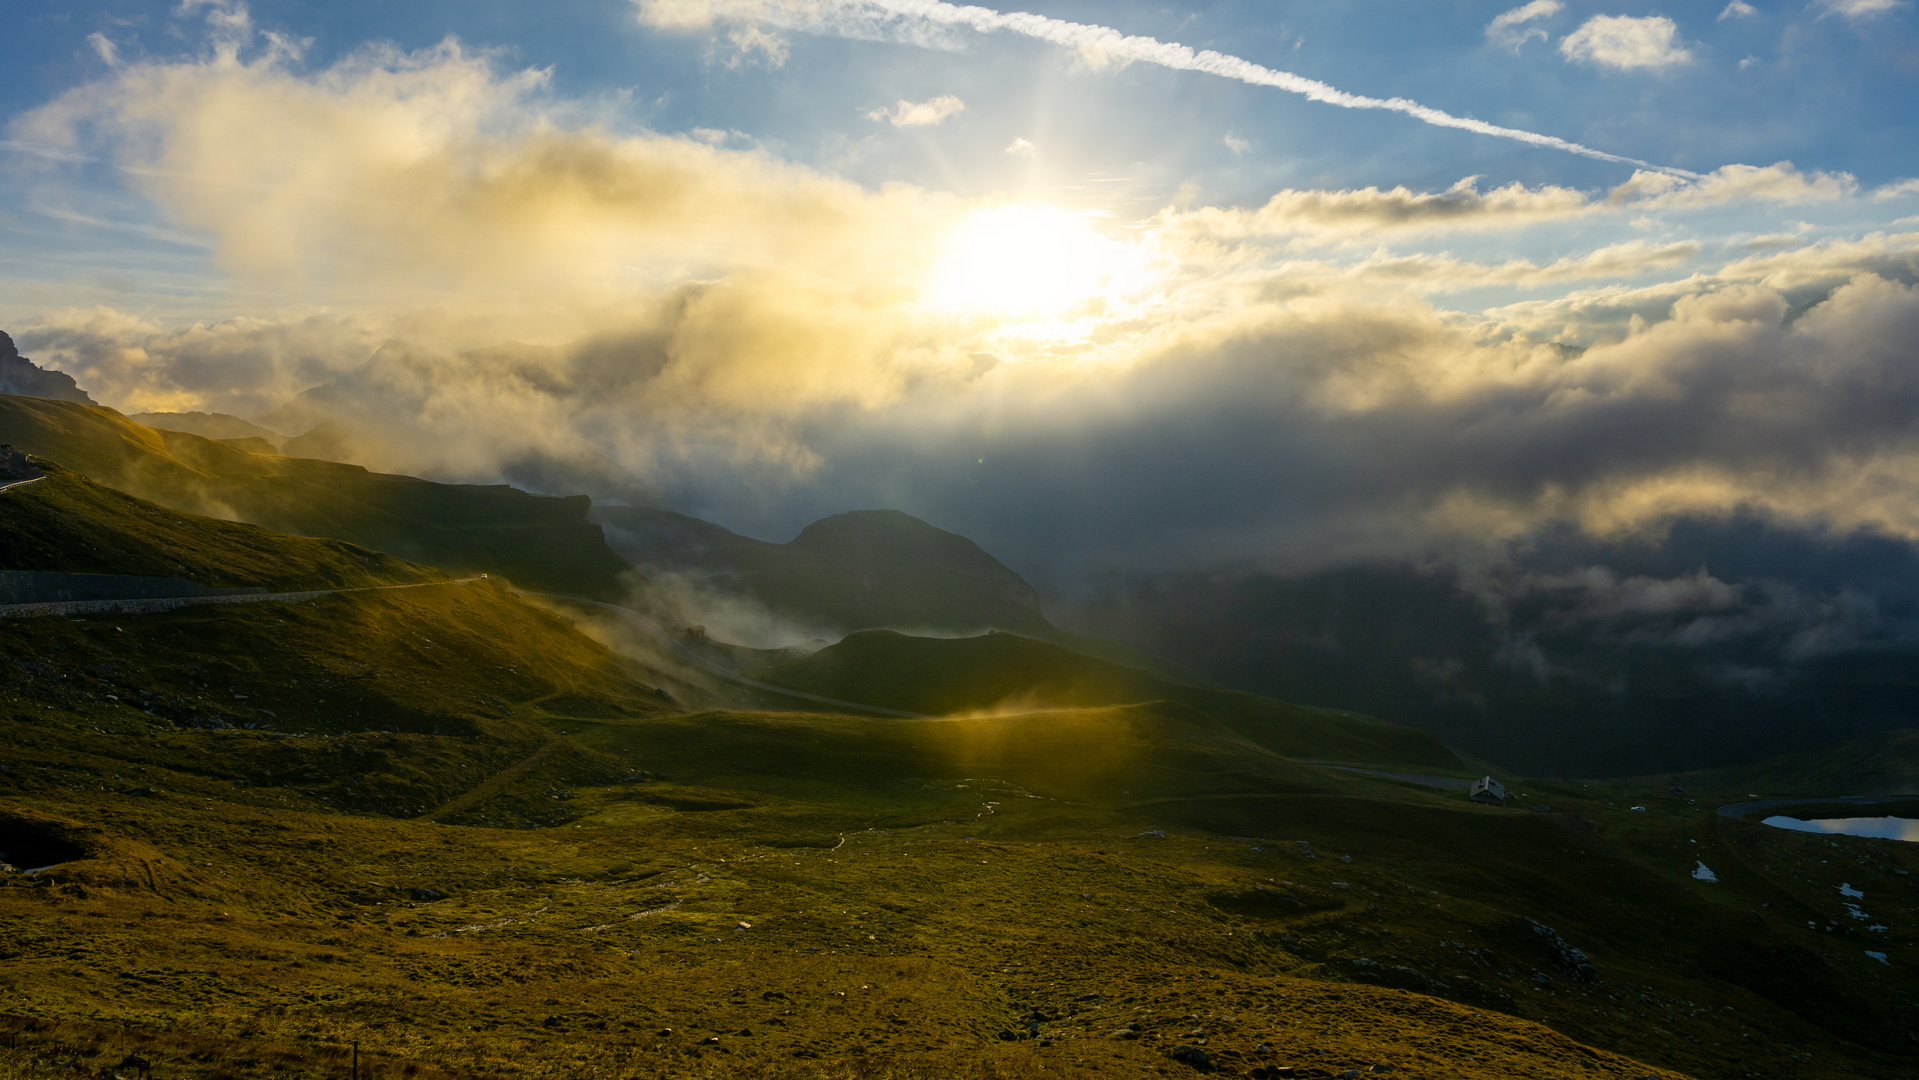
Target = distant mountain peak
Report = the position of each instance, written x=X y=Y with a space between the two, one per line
x=21 y=376
x=851 y=571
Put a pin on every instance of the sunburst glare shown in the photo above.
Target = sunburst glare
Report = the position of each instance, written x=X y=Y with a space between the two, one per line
x=1025 y=262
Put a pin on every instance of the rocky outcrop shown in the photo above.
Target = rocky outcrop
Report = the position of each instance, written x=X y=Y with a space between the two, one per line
x=19 y=375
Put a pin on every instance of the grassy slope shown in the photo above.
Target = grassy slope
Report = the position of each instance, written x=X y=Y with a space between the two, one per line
x=1883 y=764
x=1010 y=673
x=911 y=890
x=823 y=894
x=390 y=702
x=860 y=570
x=847 y=572
x=69 y=523
x=539 y=542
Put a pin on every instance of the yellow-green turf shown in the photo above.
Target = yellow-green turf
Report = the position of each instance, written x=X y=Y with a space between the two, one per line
x=453 y=827
x=1011 y=673
x=66 y=522
x=913 y=890
x=538 y=542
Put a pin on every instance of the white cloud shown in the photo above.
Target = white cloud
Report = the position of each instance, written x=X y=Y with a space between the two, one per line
x=1738 y=9
x=1019 y=147
x=1511 y=29
x=1780 y=184
x=1860 y=9
x=1362 y=210
x=747 y=40
x=919 y=113
x=1897 y=188
x=1236 y=144
x=1626 y=42
x=104 y=48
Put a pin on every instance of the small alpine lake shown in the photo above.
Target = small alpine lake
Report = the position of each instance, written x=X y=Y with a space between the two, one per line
x=1883 y=828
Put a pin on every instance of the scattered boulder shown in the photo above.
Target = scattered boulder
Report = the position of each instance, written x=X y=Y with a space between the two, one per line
x=424 y=896
x=1573 y=960
x=1193 y=1056
x=1160 y=833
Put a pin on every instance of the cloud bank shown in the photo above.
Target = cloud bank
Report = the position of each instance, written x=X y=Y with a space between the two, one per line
x=482 y=281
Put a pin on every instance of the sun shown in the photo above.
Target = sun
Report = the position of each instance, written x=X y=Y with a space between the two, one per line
x=1017 y=261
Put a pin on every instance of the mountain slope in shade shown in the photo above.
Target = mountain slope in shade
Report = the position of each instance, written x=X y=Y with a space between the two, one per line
x=216 y=426
x=866 y=569
x=19 y=375
x=999 y=673
x=537 y=541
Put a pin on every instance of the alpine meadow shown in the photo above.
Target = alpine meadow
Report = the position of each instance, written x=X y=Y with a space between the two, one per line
x=903 y=540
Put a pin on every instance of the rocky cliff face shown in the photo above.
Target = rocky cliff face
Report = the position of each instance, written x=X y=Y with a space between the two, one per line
x=19 y=375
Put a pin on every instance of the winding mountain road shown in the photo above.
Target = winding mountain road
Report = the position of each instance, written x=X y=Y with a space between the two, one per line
x=157 y=604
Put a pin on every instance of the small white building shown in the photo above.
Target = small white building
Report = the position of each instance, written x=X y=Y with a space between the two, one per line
x=1489 y=791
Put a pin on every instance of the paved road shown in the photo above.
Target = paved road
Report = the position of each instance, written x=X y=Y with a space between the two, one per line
x=669 y=640
x=11 y=484
x=1742 y=809
x=150 y=606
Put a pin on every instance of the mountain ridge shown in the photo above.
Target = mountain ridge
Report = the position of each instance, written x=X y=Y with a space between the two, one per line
x=21 y=376
x=544 y=542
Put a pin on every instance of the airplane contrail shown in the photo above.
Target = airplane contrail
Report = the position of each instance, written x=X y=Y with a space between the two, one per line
x=870 y=18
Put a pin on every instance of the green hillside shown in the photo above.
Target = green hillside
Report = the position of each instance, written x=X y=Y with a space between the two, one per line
x=219 y=427
x=395 y=698
x=1882 y=764
x=1075 y=893
x=1007 y=673
x=861 y=570
x=68 y=523
x=540 y=542
x=847 y=572
x=449 y=826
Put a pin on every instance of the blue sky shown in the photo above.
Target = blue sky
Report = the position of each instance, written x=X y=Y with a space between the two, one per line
x=1030 y=276
x=1806 y=83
